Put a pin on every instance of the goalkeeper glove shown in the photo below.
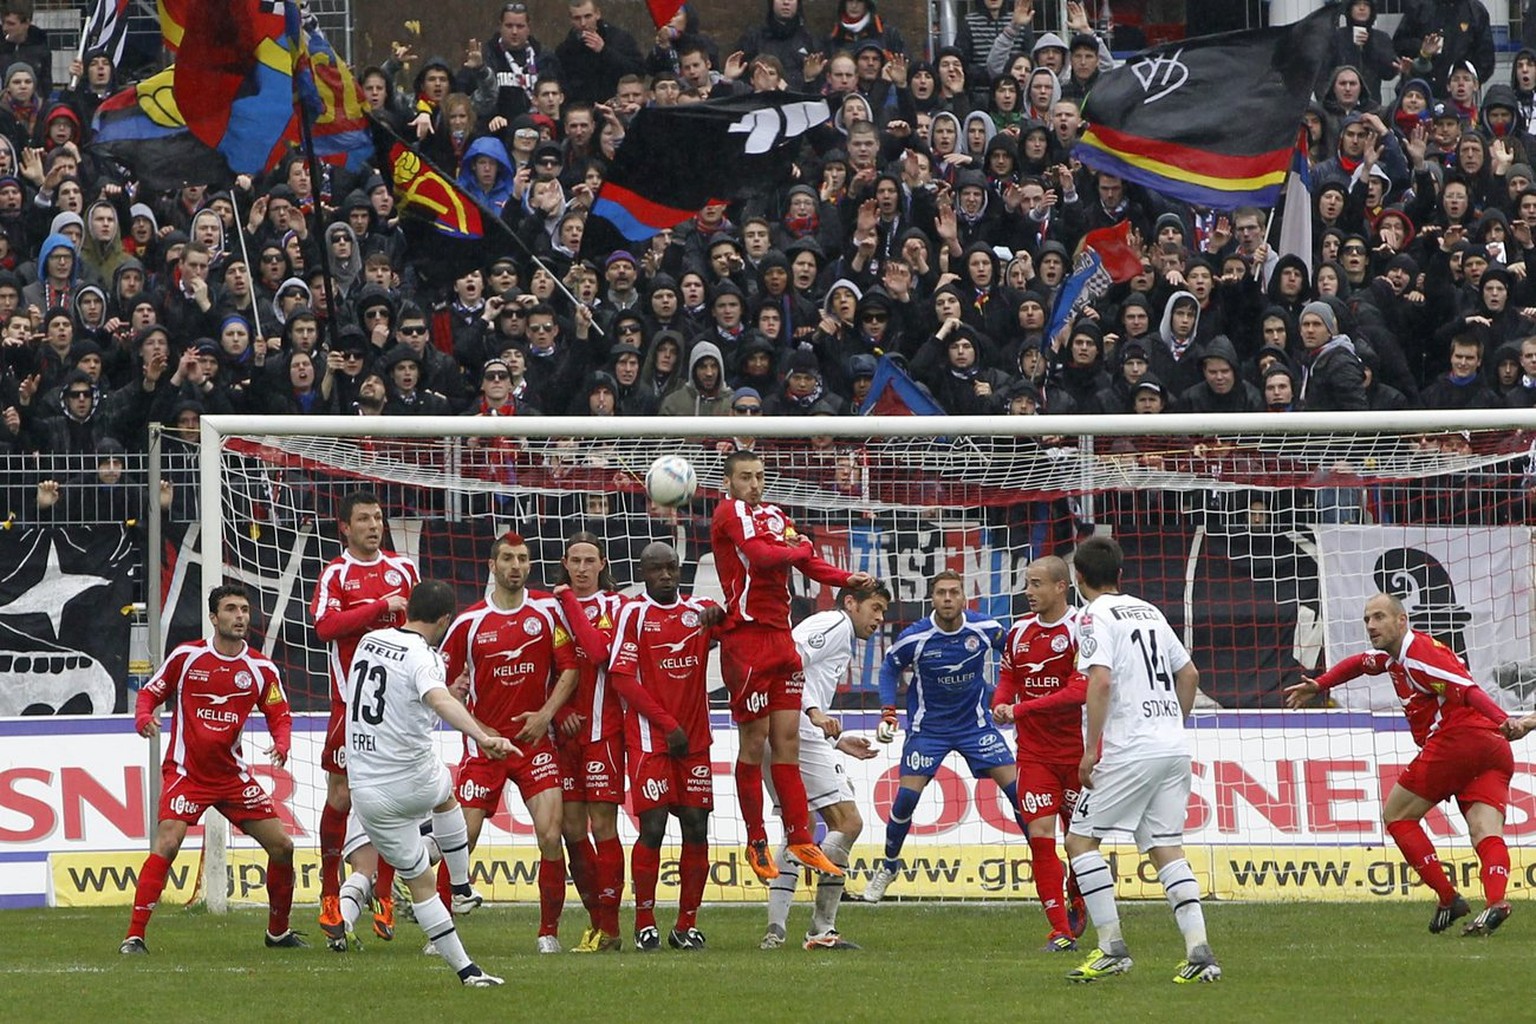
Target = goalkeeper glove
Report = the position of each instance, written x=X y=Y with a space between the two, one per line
x=886 y=730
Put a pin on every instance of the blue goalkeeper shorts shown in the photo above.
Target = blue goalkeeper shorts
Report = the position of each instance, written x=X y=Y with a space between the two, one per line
x=983 y=750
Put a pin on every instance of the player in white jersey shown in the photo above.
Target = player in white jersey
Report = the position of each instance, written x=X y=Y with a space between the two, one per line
x=826 y=643
x=397 y=691
x=1135 y=769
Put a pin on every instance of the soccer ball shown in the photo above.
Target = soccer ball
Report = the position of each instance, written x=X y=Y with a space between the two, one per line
x=671 y=481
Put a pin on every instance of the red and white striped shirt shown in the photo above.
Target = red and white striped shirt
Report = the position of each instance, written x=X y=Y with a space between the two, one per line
x=213 y=696
x=755 y=546
x=595 y=698
x=352 y=598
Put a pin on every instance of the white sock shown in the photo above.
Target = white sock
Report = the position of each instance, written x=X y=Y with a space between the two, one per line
x=1097 y=884
x=438 y=924
x=452 y=838
x=355 y=893
x=1184 y=897
x=781 y=891
x=829 y=889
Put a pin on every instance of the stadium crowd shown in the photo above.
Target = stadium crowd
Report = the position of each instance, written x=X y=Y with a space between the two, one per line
x=933 y=220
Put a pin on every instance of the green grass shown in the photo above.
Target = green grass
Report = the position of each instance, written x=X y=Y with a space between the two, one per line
x=933 y=962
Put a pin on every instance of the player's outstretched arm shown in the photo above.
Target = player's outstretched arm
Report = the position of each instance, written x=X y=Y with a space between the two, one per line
x=1517 y=728
x=457 y=715
x=1301 y=694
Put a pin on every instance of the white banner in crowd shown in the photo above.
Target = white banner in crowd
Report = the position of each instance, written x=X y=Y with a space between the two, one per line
x=1470 y=587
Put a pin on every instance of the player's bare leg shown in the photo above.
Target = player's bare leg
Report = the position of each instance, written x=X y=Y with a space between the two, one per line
x=909 y=790
x=546 y=808
x=752 y=742
x=1486 y=825
x=449 y=829
x=693 y=873
x=645 y=868
x=169 y=836
x=1401 y=814
x=794 y=805
x=607 y=876
x=583 y=857
x=333 y=833
x=269 y=833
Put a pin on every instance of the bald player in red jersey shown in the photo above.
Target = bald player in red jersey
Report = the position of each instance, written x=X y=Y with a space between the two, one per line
x=755 y=545
x=659 y=665
x=592 y=756
x=362 y=589
x=1040 y=692
x=521 y=667
x=213 y=686
x=1463 y=739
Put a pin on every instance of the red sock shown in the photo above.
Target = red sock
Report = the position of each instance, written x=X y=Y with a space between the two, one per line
x=793 y=805
x=384 y=880
x=1493 y=855
x=147 y=893
x=645 y=866
x=333 y=833
x=693 y=872
x=444 y=886
x=1049 y=878
x=749 y=793
x=279 y=896
x=584 y=875
x=1420 y=854
x=551 y=895
x=610 y=884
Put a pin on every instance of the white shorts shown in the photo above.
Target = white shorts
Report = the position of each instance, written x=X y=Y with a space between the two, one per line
x=1145 y=799
x=391 y=817
x=821 y=768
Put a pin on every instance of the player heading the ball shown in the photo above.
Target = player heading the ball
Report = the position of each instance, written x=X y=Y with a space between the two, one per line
x=755 y=546
x=1463 y=739
x=397 y=778
x=216 y=683
x=1135 y=769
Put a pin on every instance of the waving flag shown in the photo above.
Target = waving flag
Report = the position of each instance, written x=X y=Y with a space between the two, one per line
x=423 y=191
x=1121 y=259
x=140 y=128
x=106 y=29
x=1088 y=281
x=663 y=11
x=1296 y=223
x=893 y=393
x=675 y=159
x=1209 y=121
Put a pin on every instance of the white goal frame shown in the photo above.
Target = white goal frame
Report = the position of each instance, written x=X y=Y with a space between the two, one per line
x=214 y=428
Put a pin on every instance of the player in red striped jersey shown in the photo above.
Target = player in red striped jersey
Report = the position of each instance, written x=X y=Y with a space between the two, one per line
x=755 y=545
x=592 y=757
x=1041 y=692
x=522 y=669
x=363 y=588
x=214 y=685
x=658 y=667
x=1463 y=739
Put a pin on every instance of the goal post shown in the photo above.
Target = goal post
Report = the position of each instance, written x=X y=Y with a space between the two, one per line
x=1259 y=535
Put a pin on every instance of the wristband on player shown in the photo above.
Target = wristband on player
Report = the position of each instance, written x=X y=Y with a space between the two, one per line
x=888 y=714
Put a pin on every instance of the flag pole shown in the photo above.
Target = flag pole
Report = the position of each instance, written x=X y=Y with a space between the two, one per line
x=307 y=139
x=246 y=255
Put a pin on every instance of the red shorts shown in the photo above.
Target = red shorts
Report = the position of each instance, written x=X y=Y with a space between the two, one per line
x=593 y=772
x=762 y=672
x=333 y=756
x=481 y=779
x=182 y=799
x=1046 y=789
x=660 y=780
x=1473 y=765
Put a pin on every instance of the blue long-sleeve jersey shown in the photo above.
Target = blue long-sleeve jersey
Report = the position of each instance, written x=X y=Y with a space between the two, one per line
x=951 y=687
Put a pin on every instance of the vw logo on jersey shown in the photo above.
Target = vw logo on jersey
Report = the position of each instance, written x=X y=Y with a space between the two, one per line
x=532 y=627
x=816 y=641
x=1059 y=642
x=393 y=577
x=972 y=645
x=691 y=618
x=244 y=680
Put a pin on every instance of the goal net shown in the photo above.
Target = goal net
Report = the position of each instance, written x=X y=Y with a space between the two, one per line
x=1260 y=537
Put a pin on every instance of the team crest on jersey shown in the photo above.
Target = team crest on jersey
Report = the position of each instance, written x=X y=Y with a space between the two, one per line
x=1059 y=642
x=775 y=522
x=817 y=641
x=591 y=612
x=243 y=680
x=393 y=577
x=532 y=627
x=691 y=618
x=972 y=644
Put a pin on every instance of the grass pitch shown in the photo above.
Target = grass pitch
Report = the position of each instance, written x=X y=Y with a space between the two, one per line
x=920 y=962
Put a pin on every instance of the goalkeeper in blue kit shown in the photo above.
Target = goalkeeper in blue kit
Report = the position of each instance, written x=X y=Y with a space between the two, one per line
x=948 y=709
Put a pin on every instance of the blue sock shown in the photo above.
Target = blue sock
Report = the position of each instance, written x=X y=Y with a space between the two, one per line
x=1011 y=791
x=899 y=824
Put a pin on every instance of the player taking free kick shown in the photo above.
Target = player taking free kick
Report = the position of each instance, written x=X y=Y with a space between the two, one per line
x=755 y=546
x=1463 y=752
x=363 y=588
x=400 y=691
x=1135 y=769
x=216 y=683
